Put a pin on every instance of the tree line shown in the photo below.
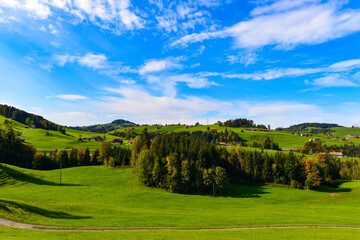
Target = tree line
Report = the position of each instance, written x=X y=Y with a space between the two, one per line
x=189 y=165
x=349 y=150
x=185 y=164
x=14 y=152
x=323 y=127
x=213 y=136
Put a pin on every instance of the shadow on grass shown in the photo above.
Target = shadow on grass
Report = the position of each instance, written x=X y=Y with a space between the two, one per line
x=23 y=177
x=334 y=189
x=244 y=191
x=4 y=204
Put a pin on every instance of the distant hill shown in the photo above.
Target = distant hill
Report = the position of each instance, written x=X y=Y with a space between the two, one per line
x=310 y=127
x=104 y=128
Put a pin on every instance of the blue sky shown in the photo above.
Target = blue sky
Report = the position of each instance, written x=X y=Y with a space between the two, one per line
x=80 y=62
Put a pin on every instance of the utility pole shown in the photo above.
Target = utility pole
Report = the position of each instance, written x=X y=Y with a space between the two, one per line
x=213 y=193
x=131 y=183
x=207 y=121
x=60 y=172
x=307 y=187
x=353 y=175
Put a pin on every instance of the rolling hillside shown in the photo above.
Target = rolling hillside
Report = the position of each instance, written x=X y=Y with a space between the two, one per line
x=104 y=128
x=36 y=197
x=48 y=140
x=285 y=139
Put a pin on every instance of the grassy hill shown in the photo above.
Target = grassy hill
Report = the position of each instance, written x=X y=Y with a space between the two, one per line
x=283 y=138
x=47 y=140
x=104 y=128
x=104 y=197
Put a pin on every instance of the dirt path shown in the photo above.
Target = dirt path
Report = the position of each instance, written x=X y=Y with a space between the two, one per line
x=22 y=133
x=9 y=223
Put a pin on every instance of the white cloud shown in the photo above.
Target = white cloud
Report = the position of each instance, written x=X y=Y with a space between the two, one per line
x=310 y=24
x=116 y=15
x=70 y=97
x=246 y=58
x=94 y=61
x=34 y=8
x=276 y=73
x=138 y=104
x=161 y=65
x=127 y=81
x=167 y=83
x=200 y=50
x=334 y=80
x=195 y=65
x=281 y=6
x=184 y=16
x=61 y=60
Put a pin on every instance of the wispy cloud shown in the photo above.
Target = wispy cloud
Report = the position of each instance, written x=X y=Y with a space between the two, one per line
x=168 y=83
x=246 y=58
x=116 y=15
x=71 y=97
x=136 y=103
x=276 y=73
x=304 y=22
x=184 y=15
x=158 y=65
x=94 y=61
x=333 y=80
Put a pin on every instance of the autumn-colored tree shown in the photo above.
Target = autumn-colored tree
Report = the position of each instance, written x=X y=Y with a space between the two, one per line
x=313 y=178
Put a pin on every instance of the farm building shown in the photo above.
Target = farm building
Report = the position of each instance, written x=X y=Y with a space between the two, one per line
x=250 y=129
x=117 y=141
x=314 y=139
x=97 y=138
x=335 y=154
x=83 y=139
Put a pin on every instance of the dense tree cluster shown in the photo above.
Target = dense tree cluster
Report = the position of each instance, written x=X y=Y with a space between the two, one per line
x=114 y=156
x=349 y=150
x=108 y=155
x=318 y=147
x=12 y=151
x=29 y=119
x=189 y=165
x=179 y=163
x=266 y=144
x=240 y=122
x=214 y=136
x=289 y=169
x=125 y=135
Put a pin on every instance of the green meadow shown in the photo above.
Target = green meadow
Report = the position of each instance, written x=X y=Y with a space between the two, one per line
x=98 y=196
x=256 y=234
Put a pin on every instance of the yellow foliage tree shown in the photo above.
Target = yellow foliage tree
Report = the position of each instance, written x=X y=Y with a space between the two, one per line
x=312 y=171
